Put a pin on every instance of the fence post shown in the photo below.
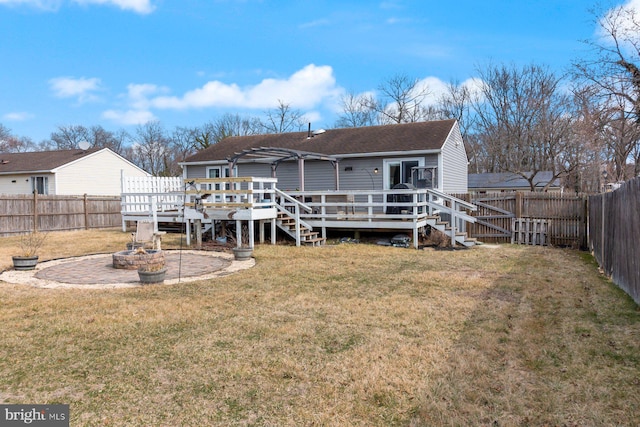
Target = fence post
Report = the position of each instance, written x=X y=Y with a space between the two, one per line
x=35 y=211
x=518 y=205
x=86 y=212
x=602 y=264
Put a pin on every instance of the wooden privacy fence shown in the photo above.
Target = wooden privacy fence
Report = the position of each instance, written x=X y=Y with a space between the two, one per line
x=565 y=215
x=23 y=213
x=614 y=226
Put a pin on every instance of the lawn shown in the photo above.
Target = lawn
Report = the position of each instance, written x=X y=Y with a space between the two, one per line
x=350 y=334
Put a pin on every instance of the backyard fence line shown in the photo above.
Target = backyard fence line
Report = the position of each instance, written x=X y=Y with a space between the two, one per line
x=21 y=214
x=566 y=215
x=614 y=231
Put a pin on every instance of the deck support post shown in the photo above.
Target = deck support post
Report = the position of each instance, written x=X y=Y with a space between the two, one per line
x=273 y=231
x=198 y=232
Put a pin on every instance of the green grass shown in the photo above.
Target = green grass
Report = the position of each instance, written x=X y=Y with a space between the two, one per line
x=343 y=335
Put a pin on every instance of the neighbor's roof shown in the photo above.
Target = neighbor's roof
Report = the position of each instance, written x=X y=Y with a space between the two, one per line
x=508 y=181
x=39 y=161
x=421 y=136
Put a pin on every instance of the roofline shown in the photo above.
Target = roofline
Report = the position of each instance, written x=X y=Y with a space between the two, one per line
x=392 y=153
x=107 y=149
x=339 y=156
x=28 y=172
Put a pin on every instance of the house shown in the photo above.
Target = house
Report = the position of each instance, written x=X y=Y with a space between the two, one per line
x=95 y=171
x=480 y=183
x=424 y=154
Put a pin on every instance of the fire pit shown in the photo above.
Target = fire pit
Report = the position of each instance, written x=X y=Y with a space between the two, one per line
x=132 y=260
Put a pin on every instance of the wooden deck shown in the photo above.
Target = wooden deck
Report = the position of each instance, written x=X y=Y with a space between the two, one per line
x=305 y=216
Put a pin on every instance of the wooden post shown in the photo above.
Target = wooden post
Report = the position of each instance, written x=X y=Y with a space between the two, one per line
x=35 y=211
x=198 y=230
x=602 y=234
x=86 y=212
x=518 y=205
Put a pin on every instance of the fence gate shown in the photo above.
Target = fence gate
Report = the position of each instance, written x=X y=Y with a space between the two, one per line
x=493 y=218
x=565 y=216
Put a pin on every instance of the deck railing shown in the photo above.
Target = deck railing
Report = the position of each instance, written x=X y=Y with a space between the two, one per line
x=371 y=205
x=327 y=209
x=224 y=193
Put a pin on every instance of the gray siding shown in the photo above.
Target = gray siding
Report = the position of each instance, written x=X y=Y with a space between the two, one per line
x=454 y=163
x=362 y=175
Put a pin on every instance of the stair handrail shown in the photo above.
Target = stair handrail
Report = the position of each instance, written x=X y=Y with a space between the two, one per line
x=454 y=210
x=296 y=215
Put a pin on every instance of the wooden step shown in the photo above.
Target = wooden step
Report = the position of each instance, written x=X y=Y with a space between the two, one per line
x=317 y=241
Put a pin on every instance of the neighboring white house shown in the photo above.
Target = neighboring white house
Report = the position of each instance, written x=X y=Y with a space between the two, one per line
x=65 y=172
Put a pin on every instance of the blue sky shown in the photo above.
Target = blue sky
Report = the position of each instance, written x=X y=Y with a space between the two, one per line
x=120 y=63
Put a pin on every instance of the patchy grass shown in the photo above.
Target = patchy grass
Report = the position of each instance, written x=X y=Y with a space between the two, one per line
x=341 y=335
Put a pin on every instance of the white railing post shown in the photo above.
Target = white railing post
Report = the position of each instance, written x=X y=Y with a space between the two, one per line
x=297 y=207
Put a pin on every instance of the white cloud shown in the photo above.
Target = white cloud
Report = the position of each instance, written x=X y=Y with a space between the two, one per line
x=17 y=116
x=322 y=22
x=625 y=18
x=48 y=5
x=437 y=88
x=129 y=117
x=81 y=88
x=138 y=94
x=306 y=88
x=138 y=6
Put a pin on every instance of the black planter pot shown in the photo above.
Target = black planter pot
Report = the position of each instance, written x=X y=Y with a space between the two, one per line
x=149 y=277
x=25 y=262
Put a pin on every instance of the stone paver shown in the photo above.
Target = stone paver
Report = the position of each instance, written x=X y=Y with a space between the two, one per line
x=96 y=271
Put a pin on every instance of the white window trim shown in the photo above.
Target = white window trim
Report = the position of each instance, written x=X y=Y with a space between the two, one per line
x=387 y=162
x=45 y=183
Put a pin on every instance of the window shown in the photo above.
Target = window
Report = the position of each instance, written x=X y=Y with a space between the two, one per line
x=398 y=171
x=40 y=184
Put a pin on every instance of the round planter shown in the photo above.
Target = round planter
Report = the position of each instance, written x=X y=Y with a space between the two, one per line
x=242 y=254
x=25 y=262
x=130 y=260
x=149 y=277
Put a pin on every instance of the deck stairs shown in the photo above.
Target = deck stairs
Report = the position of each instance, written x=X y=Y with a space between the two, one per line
x=308 y=237
x=436 y=223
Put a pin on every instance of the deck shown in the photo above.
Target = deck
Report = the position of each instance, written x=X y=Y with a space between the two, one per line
x=305 y=216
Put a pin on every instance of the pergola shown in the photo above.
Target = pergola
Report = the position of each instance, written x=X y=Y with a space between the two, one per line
x=275 y=156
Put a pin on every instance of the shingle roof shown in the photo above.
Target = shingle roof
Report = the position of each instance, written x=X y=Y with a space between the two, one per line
x=419 y=136
x=39 y=161
x=508 y=180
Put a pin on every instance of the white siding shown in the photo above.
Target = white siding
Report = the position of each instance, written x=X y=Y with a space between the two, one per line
x=454 y=163
x=96 y=174
x=22 y=184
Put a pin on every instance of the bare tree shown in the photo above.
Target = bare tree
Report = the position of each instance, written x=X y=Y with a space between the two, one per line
x=522 y=122
x=68 y=137
x=355 y=112
x=183 y=142
x=401 y=100
x=151 y=149
x=614 y=65
x=10 y=143
x=282 y=119
x=225 y=126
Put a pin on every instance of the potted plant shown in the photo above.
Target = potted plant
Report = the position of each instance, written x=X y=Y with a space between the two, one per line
x=29 y=245
x=244 y=251
x=152 y=273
